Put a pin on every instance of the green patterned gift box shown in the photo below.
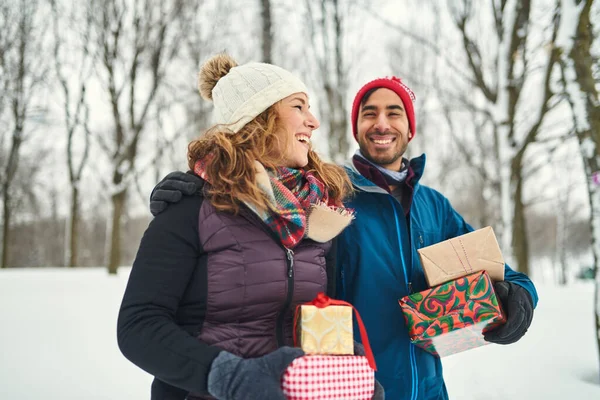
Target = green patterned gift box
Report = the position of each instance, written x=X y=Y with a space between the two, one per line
x=452 y=317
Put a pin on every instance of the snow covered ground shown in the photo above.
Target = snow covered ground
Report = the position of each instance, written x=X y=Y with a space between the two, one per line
x=57 y=341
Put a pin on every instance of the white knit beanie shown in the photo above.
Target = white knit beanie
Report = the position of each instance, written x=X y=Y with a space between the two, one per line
x=242 y=92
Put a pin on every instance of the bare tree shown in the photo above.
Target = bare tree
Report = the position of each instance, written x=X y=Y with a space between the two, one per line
x=23 y=69
x=197 y=45
x=562 y=214
x=202 y=38
x=137 y=41
x=476 y=180
x=500 y=79
x=73 y=65
x=267 y=31
x=580 y=82
x=327 y=37
x=7 y=42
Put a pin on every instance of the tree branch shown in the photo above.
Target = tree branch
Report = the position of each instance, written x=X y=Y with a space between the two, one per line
x=544 y=104
x=517 y=51
x=418 y=39
x=472 y=52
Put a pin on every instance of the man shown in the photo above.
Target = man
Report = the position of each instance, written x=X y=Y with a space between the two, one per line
x=377 y=253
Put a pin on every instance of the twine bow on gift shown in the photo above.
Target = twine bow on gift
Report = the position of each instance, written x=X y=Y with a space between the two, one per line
x=322 y=301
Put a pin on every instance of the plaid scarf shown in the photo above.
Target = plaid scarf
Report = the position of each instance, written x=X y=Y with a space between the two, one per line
x=292 y=193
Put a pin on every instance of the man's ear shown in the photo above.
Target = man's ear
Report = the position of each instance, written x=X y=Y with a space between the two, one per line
x=409 y=134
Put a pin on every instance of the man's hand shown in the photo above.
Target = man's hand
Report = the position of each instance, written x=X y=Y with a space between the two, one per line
x=518 y=306
x=172 y=188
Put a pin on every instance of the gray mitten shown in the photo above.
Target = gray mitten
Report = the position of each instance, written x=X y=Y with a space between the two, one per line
x=171 y=188
x=234 y=378
x=379 y=394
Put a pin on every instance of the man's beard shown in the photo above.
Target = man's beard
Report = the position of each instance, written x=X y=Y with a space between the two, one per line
x=383 y=159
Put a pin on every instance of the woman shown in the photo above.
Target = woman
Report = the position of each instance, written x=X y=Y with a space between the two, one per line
x=209 y=303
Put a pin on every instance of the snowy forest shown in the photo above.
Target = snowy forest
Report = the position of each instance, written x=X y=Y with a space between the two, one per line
x=99 y=100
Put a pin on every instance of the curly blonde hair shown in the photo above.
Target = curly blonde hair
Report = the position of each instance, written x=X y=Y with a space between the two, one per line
x=231 y=169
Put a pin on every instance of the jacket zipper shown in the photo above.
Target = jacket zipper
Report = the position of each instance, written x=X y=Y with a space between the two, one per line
x=413 y=362
x=249 y=215
x=290 y=295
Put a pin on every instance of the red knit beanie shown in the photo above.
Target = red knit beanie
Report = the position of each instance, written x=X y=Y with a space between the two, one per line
x=395 y=84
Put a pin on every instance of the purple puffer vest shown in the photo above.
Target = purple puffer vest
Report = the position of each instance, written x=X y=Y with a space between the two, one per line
x=254 y=283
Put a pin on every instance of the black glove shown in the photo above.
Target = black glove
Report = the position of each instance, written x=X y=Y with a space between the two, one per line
x=234 y=378
x=379 y=394
x=518 y=306
x=171 y=188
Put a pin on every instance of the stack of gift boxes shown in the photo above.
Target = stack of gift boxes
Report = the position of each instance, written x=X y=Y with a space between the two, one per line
x=330 y=370
x=448 y=318
x=461 y=304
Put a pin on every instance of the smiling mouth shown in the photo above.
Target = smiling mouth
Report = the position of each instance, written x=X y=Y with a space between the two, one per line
x=304 y=139
x=382 y=141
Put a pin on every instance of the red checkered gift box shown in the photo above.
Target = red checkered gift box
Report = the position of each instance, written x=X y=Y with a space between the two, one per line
x=329 y=378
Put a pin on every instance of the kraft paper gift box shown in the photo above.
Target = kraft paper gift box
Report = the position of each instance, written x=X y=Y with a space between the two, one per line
x=325 y=331
x=461 y=256
x=452 y=317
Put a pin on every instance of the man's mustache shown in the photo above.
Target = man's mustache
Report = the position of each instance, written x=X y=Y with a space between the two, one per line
x=386 y=133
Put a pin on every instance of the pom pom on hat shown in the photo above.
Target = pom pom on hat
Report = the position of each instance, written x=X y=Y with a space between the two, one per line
x=214 y=69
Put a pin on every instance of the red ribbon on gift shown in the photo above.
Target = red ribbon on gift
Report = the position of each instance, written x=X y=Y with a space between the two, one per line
x=322 y=301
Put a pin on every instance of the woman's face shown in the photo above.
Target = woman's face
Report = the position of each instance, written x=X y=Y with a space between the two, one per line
x=297 y=124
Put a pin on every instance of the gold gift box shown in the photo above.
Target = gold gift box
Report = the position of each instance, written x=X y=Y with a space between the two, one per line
x=326 y=331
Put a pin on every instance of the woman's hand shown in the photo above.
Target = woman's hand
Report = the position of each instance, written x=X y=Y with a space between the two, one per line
x=235 y=378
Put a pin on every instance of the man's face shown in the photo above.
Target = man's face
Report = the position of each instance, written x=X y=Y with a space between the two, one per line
x=382 y=129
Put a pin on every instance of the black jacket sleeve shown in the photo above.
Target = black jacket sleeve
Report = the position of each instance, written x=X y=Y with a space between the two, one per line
x=147 y=332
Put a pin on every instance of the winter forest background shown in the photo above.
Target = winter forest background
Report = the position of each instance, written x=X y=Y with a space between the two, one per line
x=98 y=100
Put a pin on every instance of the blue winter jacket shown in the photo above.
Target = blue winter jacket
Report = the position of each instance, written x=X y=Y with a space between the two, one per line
x=379 y=264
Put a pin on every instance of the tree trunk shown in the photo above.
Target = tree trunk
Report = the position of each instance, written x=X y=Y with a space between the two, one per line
x=581 y=55
x=562 y=215
x=118 y=202
x=561 y=253
x=591 y=164
x=73 y=226
x=267 y=31
x=339 y=144
x=580 y=87
x=5 y=225
x=507 y=198
x=520 y=243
